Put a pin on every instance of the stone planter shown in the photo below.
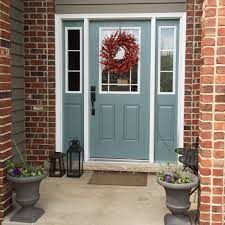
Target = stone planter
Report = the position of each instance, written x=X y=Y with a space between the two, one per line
x=27 y=195
x=178 y=201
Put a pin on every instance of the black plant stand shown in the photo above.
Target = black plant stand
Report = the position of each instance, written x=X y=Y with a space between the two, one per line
x=57 y=167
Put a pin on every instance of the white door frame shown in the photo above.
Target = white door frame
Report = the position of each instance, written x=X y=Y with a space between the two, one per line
x=127 y=16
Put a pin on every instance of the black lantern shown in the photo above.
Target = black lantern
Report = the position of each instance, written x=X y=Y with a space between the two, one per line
x=75 y=158
x=57 y=168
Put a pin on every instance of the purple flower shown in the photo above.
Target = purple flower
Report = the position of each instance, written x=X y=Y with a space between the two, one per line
x=17 y=172
x=168 y=178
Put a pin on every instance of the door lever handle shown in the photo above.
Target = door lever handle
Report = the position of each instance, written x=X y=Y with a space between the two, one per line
x=93 y=99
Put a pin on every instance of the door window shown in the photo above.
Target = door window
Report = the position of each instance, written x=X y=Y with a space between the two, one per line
x=119 y=83
x=166 y=59
x=73 y=57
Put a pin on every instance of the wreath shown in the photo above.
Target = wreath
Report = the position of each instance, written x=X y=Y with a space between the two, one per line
x=119 y=53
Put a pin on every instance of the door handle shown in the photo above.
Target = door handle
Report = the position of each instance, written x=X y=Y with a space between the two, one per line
x=93 y=99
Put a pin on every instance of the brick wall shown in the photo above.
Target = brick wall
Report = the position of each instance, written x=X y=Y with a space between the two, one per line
x=212 y=114
x=5 y=106
x=192 y=70
x=39 y=78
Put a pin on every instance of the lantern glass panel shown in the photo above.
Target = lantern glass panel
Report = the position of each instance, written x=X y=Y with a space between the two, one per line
x=75 y=163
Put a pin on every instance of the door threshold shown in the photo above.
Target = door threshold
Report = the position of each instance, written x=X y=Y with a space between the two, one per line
x=121 y=166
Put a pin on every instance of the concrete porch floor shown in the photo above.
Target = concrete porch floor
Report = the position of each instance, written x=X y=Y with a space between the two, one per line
x=72 y=201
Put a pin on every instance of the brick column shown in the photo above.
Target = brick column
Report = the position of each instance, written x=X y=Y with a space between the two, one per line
x=212 y=114
x=192 y=71
x=39 y=43
x=5 y=106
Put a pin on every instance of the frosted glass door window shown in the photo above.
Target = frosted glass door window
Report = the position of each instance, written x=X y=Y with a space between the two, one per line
x=112 y=82
x=166 y=60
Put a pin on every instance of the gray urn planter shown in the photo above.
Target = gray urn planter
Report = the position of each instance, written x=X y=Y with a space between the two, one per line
x=178 y=201
x=27 y=195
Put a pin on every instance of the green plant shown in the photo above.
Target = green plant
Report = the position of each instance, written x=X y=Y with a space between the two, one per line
x=174 y=174
x=22 y=168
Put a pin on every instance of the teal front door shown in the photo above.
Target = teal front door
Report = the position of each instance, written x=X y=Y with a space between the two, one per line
x=119 y=117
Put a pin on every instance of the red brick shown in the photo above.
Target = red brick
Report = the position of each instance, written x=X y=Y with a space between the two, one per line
x=204 y=207
x=220 y=50
x=217 y=182
x=39 y=71
x=217 y=209
x=218 y=172
x=204 y=216
x=219 y=145
x=217 y=217
x=205 y=153
x=222 y=2
x=221 y=31
x=211 y=153
x=208 y=51
x=221 y=11
x=220 y=79
x=210 y=12
x=205 y=125
x=219 y=126
x=5 y=106
x=211 y=2
x=221 y=59
x=208 y=61
x=220 y=69
x=218 y=135
x=209 y=22
x=205 y=171
x=206 y=163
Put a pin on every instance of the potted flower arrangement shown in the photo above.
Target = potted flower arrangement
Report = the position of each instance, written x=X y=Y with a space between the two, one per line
x=178 y=185
x=26 y=181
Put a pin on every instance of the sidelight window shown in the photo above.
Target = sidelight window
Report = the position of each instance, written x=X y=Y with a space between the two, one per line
x=166 y=59
x=73 y=57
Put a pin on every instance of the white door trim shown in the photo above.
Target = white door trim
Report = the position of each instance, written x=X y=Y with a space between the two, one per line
x=86 y=91
x=181 y=83
x=129 y=16
x=152 y=91
x=58 y=84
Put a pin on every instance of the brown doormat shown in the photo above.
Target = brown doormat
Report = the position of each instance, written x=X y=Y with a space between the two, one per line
x=118 y=178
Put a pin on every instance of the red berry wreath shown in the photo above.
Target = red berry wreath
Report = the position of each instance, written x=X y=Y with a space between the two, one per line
x=117 y=42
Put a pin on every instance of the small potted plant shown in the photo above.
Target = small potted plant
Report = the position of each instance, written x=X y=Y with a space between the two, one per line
x=26 y=181
x=178 y=185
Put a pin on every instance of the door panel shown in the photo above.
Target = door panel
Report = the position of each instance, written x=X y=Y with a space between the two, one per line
x=166 y=115
x=119 y=129
x=167 y=62
x=72 y=82
x=131 y=122
x=73 y=123
x=107 y=127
